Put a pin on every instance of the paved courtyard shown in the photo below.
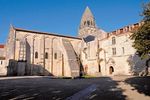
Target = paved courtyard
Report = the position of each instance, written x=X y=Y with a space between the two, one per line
x=47 y=88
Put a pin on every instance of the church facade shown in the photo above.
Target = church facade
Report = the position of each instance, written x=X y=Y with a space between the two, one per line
x=94 y=52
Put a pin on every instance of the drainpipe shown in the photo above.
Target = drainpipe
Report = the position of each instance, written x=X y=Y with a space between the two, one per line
x=98 y=60
x=105 y=60
x=33 y=51
x=52 y=55
x=32 y=57
x=44 y=56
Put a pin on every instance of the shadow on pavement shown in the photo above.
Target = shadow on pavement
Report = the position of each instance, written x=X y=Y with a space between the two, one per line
x=108 y=90
x=45 y=88
x=141 y=84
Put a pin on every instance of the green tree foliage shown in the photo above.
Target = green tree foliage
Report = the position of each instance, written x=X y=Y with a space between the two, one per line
x=141 y=37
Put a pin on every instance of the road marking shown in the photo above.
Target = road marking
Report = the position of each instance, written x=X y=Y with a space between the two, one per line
x=83 y=94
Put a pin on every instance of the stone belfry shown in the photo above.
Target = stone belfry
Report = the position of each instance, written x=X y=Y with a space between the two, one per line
x=87 y=24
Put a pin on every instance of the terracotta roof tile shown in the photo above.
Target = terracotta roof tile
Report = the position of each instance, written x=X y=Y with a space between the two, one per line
x=2 y=58
x=2 y=46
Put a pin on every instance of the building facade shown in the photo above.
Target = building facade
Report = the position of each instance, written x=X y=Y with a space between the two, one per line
x=3 y=69
x=94 y=52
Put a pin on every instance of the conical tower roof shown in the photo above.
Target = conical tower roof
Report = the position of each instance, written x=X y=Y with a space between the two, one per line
x=88 y=19
x=88 y=25
x=87 y=13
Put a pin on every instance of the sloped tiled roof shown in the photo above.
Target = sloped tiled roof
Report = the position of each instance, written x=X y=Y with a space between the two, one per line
x=46 y=33
x=2 y=46
x=2 y=58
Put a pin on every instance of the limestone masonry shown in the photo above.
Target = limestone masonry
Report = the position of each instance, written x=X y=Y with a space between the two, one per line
x=94 y=52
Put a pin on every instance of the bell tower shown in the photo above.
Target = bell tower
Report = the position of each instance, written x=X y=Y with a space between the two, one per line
x=87 y=24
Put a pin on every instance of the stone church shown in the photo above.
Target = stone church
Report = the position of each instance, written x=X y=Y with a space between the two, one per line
x=93 y=52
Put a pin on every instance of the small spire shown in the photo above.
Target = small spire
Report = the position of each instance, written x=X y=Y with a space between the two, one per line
x=87 y=12
x=87 y=8
x=11 y=26
x=87 y=19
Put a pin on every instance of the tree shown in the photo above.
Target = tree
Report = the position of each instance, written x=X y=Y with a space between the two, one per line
x=141 y=36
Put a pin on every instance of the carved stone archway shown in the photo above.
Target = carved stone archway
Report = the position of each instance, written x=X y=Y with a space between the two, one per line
x=111 y=70
x=111 y=66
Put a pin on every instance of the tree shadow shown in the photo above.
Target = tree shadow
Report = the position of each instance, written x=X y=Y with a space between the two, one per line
x=137 y=65
x=141 y=84
x=108 y=90
x=40 y=88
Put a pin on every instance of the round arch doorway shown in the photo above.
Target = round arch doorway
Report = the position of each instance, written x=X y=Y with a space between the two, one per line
x=111 y=70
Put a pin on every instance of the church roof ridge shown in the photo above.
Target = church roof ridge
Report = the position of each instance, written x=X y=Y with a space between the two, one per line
x=46 y=33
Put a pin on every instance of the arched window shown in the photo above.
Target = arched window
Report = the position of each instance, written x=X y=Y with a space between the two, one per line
x=55 y=56
x=111 y=70
x=88 y=22
x=85 y=23
x=114 y=51
x=1 y=62
x=123 y=51
x=91 y=23
x=46 y=55
x=36 y=54
x=113 y=40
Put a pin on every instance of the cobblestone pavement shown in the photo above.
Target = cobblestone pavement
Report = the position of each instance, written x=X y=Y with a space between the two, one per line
x=47 y=88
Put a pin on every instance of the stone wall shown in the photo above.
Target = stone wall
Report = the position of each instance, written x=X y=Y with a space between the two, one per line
x=125 y=61
x=3 y=68
x=28 y=43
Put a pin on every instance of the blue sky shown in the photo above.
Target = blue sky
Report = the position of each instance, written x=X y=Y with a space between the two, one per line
x=63 y=16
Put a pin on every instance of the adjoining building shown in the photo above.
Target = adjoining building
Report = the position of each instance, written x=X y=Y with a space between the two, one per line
x=3 y=69
x=94 y=52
